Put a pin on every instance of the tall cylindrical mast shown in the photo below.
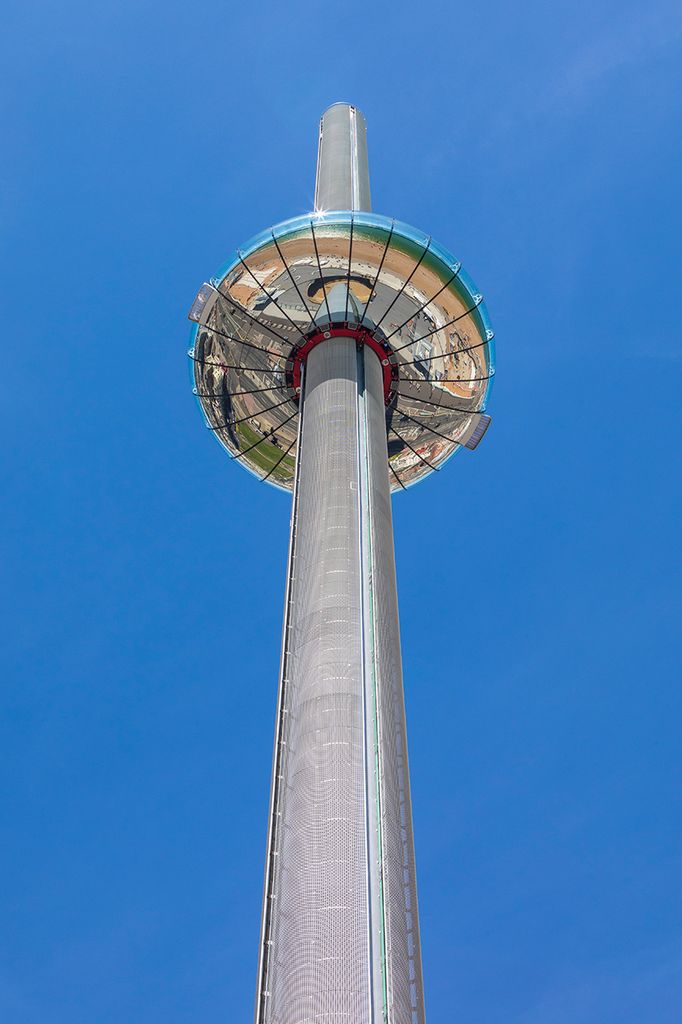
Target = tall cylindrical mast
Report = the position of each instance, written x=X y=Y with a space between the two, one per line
x=341 y=355
x=340 y=939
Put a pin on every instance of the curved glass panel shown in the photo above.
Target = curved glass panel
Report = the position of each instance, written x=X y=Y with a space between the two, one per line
x=288 y=283
x=445 y=257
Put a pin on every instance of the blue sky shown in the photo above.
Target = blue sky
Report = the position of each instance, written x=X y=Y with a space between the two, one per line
x=143 y=574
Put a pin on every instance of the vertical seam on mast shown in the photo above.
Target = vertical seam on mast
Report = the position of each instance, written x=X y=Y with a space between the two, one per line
x=355 y=201
x=359 y=410
x=266 y=927
x=368 y=559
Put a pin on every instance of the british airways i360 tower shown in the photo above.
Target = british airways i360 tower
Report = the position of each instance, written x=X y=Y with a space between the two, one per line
x=341 y=356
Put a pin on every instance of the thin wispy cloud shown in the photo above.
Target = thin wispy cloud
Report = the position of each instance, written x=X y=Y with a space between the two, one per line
x=641 y=37
x=625 y=46
x=646 y=985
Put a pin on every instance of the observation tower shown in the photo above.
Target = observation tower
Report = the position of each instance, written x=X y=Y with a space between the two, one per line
x=341 y=356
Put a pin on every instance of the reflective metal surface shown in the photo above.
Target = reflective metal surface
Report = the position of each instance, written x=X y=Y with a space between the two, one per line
x=340 y=939
x=342 y=181
x=408 y=292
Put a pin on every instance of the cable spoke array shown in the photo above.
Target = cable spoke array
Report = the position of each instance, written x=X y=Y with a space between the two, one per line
x=316 y=263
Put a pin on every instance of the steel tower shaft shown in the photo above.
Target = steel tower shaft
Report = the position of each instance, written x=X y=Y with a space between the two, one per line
x=340 y=935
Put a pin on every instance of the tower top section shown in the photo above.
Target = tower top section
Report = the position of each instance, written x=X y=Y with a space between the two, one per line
x=342 y=180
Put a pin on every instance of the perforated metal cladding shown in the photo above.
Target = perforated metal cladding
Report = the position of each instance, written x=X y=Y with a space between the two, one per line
x=341 y=932
x=318 y=963
x=403 y=951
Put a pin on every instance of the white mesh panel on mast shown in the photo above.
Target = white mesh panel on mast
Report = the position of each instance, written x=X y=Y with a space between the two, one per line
x=341 y=937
